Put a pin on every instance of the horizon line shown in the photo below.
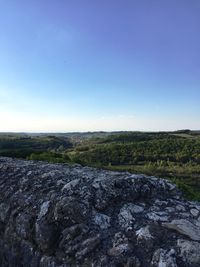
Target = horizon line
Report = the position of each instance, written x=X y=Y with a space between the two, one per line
x=97 y=131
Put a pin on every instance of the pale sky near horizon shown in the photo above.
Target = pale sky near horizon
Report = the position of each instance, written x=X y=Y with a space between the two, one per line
x=99 y=65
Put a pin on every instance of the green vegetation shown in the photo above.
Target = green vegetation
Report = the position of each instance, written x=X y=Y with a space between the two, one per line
x=172 y=155
x=50 y=157
x=24 y=146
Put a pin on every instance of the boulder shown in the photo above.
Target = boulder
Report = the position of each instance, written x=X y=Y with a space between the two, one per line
x=59 y=215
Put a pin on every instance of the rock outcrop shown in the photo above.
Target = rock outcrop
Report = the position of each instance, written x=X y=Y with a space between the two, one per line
x=57 y=215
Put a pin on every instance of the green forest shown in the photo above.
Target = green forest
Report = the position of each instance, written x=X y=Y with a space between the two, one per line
x=171 y=155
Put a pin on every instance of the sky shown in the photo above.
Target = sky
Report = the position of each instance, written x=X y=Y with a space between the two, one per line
x=74 y=65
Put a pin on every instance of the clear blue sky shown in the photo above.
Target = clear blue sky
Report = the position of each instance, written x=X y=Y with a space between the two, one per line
x=78 y=65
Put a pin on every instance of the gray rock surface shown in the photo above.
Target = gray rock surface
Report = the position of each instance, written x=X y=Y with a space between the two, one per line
x=185 y=227
x=58 y=215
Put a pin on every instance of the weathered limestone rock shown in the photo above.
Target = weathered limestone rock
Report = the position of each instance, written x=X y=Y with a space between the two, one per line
x=102 y=220
x=185 y=227
x=164 y=258
x=144 y=233
x=189 y=251
x=194 y=212
x=57 y=215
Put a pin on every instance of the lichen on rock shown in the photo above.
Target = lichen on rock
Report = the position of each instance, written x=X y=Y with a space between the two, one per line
x=59 y=215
